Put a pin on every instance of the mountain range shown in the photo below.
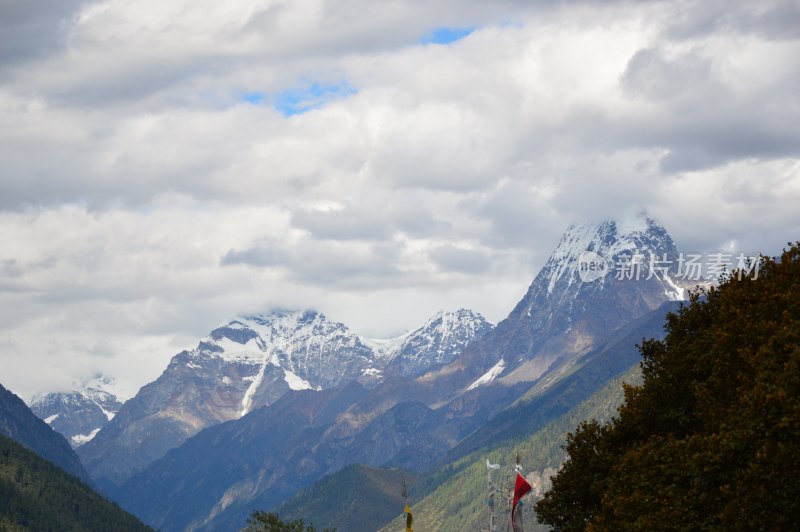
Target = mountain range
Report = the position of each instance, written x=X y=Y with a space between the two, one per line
x=268 y=405
x=252 y=362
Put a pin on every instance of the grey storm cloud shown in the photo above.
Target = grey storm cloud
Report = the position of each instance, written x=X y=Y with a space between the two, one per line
x=325 y=263
x=255 y=256
x=768 y=19
x=653 y=75
x=407 y=212
x=34 y=29
x=702 y=122
x=353 y=223
x=10 y=268
x=454 y=259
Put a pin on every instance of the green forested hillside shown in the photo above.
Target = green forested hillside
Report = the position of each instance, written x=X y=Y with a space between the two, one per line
x=454 y=497
x=36 y=495
x=352 y=499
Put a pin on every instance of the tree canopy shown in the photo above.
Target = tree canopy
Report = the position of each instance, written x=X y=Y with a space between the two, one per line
x=711 y=438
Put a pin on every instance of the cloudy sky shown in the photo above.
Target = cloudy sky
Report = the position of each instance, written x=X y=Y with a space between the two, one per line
x=168 y=165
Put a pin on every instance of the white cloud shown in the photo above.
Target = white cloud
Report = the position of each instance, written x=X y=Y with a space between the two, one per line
x=144 y=199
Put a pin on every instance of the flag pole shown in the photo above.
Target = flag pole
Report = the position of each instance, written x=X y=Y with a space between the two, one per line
x=409 y=519
x=509 y=495
x=492 y=491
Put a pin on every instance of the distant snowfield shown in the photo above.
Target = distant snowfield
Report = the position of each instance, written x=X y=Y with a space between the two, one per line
x=80 y=439
x=490 y=375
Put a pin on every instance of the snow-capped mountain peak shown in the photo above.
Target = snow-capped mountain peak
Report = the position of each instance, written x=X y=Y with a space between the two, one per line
x=600 y=276
x=81 y=413
x=613 y=243
x=280 y=351
x=439 y=341
x=102 y=390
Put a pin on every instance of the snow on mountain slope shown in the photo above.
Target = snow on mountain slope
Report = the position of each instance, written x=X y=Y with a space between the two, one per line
x=80 y=414
x=386 y=348
x=490 y=375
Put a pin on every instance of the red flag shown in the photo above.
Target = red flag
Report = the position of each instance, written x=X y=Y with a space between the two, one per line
x=520 y=489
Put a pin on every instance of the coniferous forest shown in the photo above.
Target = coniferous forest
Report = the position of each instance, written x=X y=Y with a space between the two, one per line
x=39 y=496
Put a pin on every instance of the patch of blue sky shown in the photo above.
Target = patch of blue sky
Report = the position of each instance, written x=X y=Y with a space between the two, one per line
x=445 y=35
x=253 y=98
x=308 y=96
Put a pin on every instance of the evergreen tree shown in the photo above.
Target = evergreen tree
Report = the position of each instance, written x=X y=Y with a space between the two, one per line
x=711 y=438
x=270 y=522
